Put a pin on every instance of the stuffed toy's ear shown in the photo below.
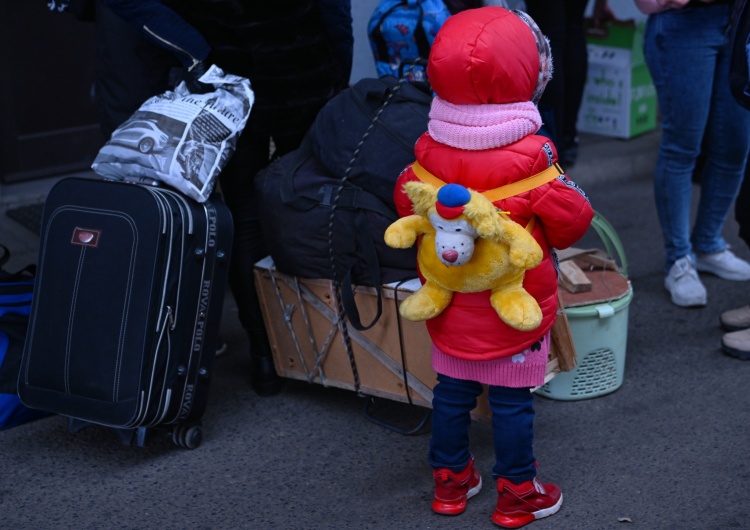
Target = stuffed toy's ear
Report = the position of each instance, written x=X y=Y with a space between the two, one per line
x=525 y=252
x=423 y=196
x=485 y=217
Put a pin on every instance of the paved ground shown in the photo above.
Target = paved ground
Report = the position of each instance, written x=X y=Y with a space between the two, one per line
x=668 y=450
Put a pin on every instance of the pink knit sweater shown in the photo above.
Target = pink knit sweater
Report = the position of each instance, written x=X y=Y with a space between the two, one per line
x=525 y=369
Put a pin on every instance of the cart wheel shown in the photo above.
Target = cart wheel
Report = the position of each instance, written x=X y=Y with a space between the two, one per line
x=187 y=436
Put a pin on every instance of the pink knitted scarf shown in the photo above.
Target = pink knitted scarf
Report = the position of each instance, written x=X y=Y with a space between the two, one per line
x=477 y=127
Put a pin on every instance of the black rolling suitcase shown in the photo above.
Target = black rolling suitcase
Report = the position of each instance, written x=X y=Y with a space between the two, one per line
x=126 y=308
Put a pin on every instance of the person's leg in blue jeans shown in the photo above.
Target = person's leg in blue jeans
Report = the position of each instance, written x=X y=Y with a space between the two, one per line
x=682 y=65
x=521 y=497
x=452 y=403
x=456 y=478
x=727 y=143
x=513 y=433
x=512 y=427
x=684 y=51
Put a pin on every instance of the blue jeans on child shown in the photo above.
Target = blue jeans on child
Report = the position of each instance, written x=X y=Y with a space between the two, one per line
x=512 y=427
x=687 y=52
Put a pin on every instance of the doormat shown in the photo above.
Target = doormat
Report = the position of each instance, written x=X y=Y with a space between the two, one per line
x=29 y=216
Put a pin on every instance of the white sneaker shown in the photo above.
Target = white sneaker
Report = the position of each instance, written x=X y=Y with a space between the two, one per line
x=724 y=264
x=683 y=284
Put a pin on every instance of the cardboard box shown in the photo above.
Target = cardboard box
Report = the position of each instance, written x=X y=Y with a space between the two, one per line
x=392 y=358
x=619 y=98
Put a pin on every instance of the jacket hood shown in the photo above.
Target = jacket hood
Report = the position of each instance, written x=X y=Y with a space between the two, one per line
x=489 y=55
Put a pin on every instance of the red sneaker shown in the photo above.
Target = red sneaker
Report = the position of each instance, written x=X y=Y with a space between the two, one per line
x=521 y=504
x=453 y=489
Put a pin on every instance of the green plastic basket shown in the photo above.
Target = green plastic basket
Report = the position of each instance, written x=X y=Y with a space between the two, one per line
x=600 y=333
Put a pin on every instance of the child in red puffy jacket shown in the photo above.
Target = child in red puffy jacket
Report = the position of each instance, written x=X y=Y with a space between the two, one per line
x=488 y=68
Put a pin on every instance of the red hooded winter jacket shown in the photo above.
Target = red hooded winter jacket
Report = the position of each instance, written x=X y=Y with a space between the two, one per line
x=462 y=70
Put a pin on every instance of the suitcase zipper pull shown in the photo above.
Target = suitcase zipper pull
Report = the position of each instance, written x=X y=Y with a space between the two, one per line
x=170 y=318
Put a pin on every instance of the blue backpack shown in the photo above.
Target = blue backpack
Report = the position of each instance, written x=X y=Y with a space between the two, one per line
x=16 y=291
x=404 y=29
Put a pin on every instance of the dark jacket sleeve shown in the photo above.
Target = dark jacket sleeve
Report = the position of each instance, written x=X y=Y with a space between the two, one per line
x=455 y=6
x=337 y=20
x=163 y=26
x=739 y=69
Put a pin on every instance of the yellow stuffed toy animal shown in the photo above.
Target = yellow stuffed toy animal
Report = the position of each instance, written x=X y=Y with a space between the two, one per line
x=467 y=246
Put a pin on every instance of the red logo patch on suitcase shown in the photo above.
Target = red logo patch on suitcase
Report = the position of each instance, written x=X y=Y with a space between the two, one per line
x=86 y=237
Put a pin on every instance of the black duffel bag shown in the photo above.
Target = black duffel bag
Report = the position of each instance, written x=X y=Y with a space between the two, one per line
x=296 y=194
x=338 y=132
x=334 y=195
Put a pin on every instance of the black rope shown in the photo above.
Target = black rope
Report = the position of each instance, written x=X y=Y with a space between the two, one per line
x=417 y=429
x=401 y=343
x=341 y=313
x=370 y=401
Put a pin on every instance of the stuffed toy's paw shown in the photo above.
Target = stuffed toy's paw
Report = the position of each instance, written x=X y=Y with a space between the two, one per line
x=517 y=308
x=427 y=302
x=524 y=251
x=403 y=233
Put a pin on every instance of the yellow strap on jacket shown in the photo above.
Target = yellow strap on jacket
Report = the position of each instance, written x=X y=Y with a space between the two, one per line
x=503 y=192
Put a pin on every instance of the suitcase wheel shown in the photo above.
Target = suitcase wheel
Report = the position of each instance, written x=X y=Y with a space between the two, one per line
x=187 y=436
